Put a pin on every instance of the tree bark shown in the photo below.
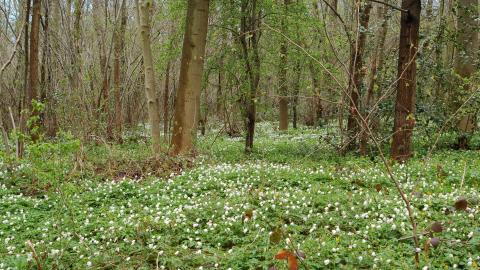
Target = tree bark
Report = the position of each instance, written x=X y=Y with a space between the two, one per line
x=439 y=51
x=404 y=121
x=143 y=10
x=282 y=74
x=249 y=38
x=119 y=39
x=165 y=103
x=33 y=93
x=48 y=116
x=191 y=70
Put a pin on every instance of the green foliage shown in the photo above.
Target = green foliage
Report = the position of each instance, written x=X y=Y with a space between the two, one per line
x=341 y=212
x=45 y=165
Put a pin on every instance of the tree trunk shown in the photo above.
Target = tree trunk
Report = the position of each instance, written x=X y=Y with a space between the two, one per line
x=119 y=39
x=191 y=70
x=357 y=73
x=32 y=93
x=22 y=115
x=143 y=10
x=467 y=43
x=165 y=103
x=282 y=74
x=250 y=25
x=404 y=121
x=48 y=116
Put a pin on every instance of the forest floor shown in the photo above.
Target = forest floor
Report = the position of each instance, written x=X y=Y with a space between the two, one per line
x=294 y=195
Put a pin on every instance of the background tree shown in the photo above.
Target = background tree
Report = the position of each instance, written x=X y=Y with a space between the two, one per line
x=404 y=121
x=249 y=38
x=188 y=95
x=282 y=73
x=119 y=60
x=143 y=13
x=466 y=56
x=33 y=64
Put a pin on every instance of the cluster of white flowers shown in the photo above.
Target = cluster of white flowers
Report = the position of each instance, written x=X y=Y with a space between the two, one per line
x=216 y=210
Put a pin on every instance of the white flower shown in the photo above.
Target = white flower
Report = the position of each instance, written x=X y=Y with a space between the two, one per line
x=326 y=262
x=89 y=264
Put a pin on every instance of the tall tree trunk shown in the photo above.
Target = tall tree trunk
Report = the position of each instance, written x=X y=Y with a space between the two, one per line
x=119 y=40
x=466 y=54
x=22 y=116
x=143 y=10
x=48 y=118
x=404 y=121
x=282 y=74
x=191 y=71
x=249 y=38
x=165 y=103
x=33 y=93
x=357 y=73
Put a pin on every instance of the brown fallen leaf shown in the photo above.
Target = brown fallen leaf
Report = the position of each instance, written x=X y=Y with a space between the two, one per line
x=436 y=227
x=461 y=204
x=290 y=257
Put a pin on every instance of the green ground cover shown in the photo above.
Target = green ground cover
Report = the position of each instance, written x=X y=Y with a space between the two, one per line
x=227 y=210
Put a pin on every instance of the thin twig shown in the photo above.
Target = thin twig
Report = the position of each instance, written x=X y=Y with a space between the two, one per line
x=34 y=255
x=9 y=61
